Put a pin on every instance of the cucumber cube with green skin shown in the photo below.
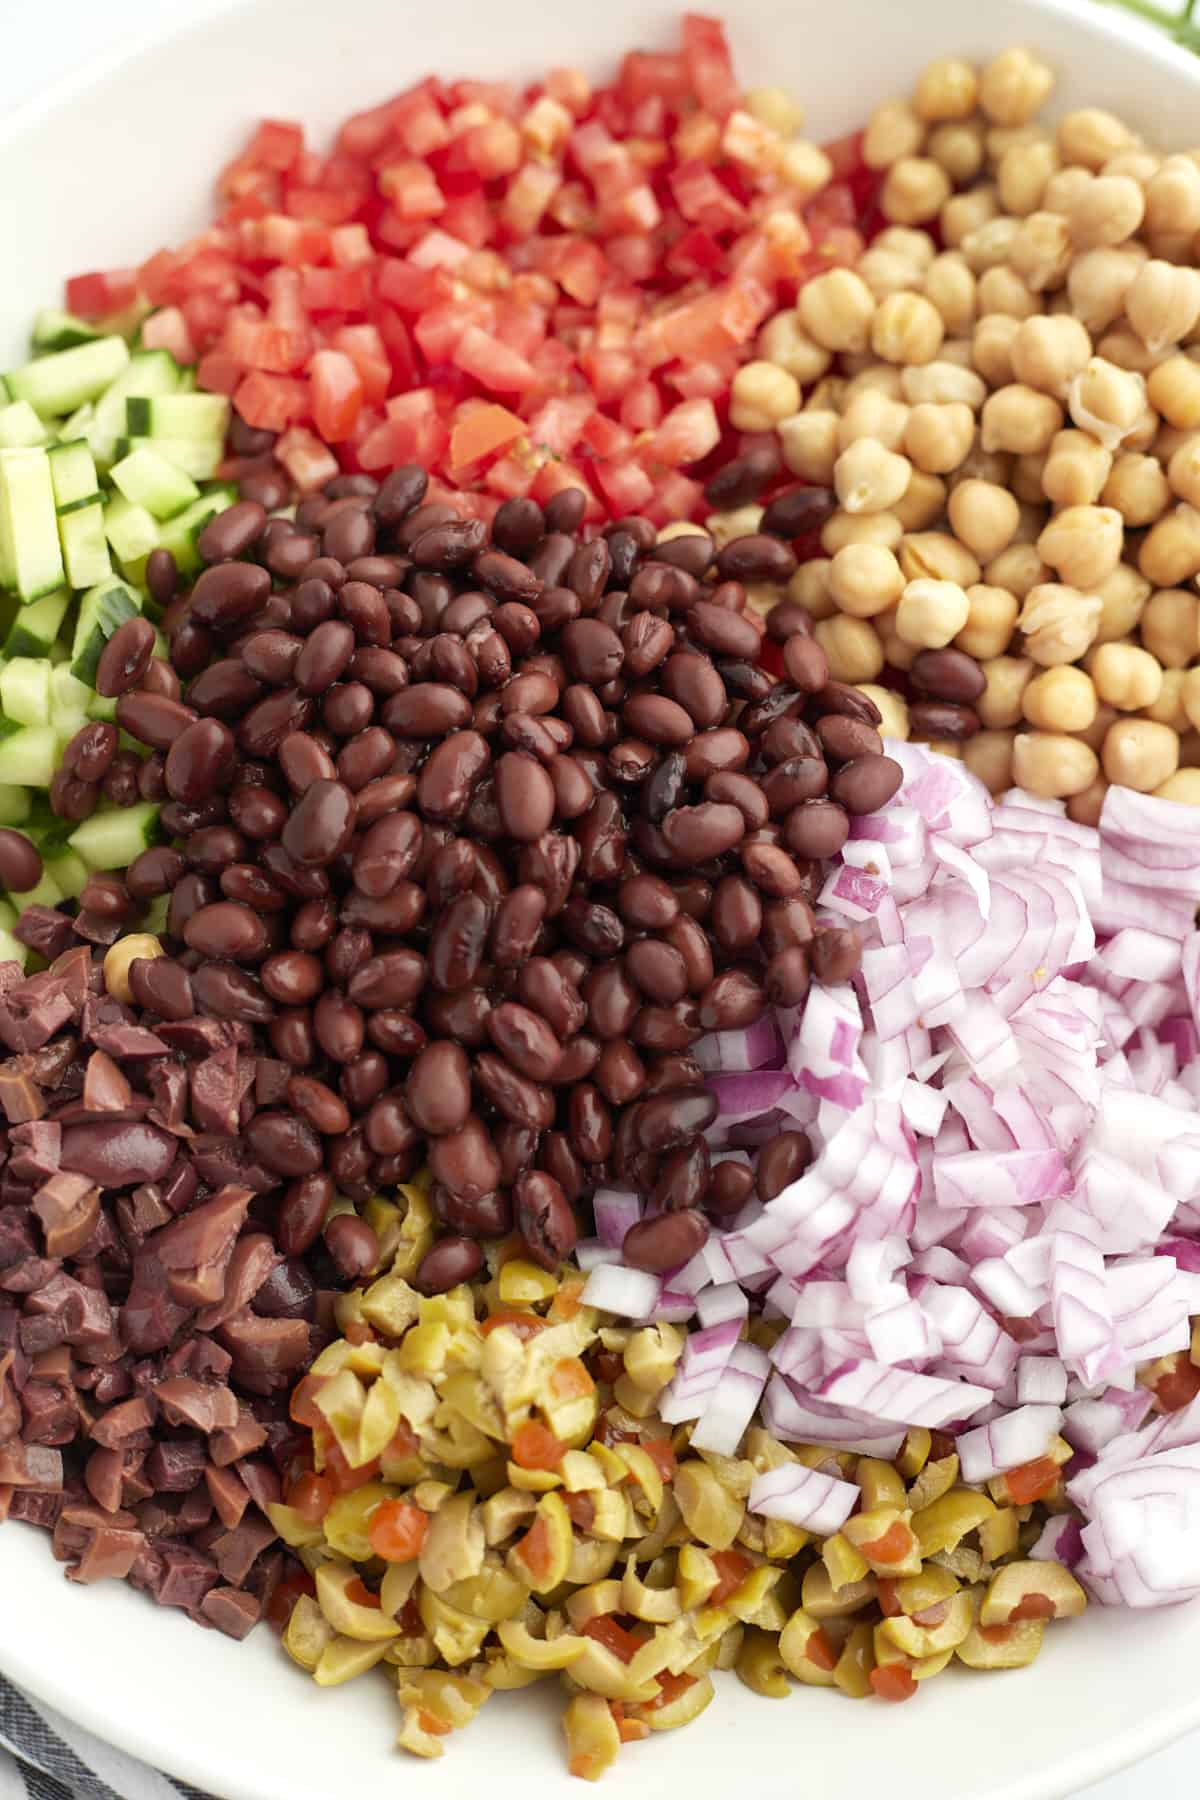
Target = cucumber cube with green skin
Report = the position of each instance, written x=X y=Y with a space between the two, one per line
x=28 y=754
x=36 y=626
x=54 y=329
x=30 y=553
x=102 y=609
x=25 y=691
x=178 y=535
x=177 y=415
x=149 y=479
x=70 y=699
x=84 y=545
x=111 y=840
x=72 y=473
x=131 y=530
x=46 y=892
x=57 y=384
x=12 y=949
x=148 y=372
x=70 y=872
x=198 y=457
x=15 y=807
x=20 y=427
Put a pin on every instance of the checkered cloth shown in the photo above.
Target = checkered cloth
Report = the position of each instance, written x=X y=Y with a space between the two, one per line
x=45 y=1757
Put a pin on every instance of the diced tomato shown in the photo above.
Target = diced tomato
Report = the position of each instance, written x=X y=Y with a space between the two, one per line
x=623 y=1644
x=892 y=1681
x=413 y=432
x=1032 y=1480
x=310 y=463
x=397 y=1530
x=337 y=394
x=101 y=294
x=558 y=424
x=335 y=290
x=365 y=348
x=271 y=402
x=625 y=485
x=168 y=329
x=642 y=407
x=709 y=64
x=480 y=431
x=278 y=349
x=1178 y=1386
x=491 y=363
x=689 y=433
x=536 y=1447
x=732 y=1568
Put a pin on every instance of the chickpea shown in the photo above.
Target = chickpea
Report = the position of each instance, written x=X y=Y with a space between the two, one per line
x=984 y=517
x=1083 y=544
x=1065 y=188
x=1144 y=433
x=991 y=347
x=984 y=465
x=865 y=579
x=1124 y=347
x=1139 y=165
x=892 y=706
x=1163 y=303
x=922 y=502
x=1122 y=596
x=1048 y=352
x=775 y=108
x=942 y=384
x=1022 y=172
x=1085 y=808
x=887 y=272
x=1170 y=550
x=1183 y=467
x=1090 y=136
x=1126 y=677
x=931 y=613
x=971 y=222
x=804 y=167
x=809 y=588
x=893 y=131
x=1001 y=290
x=1138 y=489
x=1020 y=419
x=1173 y=389
x=1168 y=709
x=1108 y=212
x=836 y=309
x=897 y=654
x=1191 y=699
x=989 y=756
x=784 y=342
x=939 y=557
x=1140 y=754
x=914 y=245
x=1041 y=251
x=761 y=395
x=1170 y=627
x=808 y=444
x=1076 y=469
x=1007 y=677
x=1060 y=699
x=957 y=147
x=843 y=528
x=1098 y=282
x=868 y=478
x=1173 y=198
x=937 y=438
x=872 y=378
x=947 y=88
x=873 y=416
x=852 y=646
x=990 y=624
x=914 y=189
x=1059 y=623
x=740 y=521
x=1183 y=786
x=1019 y=569
x=118 y=958
x=1053 y=765
x=907 y=328
x=1014 y=86
x=950 y=285
x=827 y=394
x=1107 y=401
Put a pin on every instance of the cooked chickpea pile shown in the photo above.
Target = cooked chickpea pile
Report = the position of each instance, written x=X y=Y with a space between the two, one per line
x=1010 y=425
x=494 y=1501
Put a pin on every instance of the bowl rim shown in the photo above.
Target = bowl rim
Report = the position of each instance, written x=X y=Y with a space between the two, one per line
x=1080 y=1768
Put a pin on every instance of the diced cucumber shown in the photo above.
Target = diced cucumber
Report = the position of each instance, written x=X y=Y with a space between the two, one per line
x=111 y=840
x=46 y=893
x=198 y=457
x=8 y=915
x=149 y=372
x=69 y=701
x=20 y=427
x=131 y=530
x=25 y=690
x=72 y=472
x=35 y=627
x=70 y=872
x=84 y=545
x=12 y=949
x=178 y=535
x=79 y=423
x=57 y=384
x=101 y=610
x=54 y=329
x=30 y=553
x=149 y=479
x=15 y=805
x=28 y=754
x=157 y=914
x=177 y=415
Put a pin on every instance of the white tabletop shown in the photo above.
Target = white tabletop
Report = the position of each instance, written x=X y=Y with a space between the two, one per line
x=43 y=44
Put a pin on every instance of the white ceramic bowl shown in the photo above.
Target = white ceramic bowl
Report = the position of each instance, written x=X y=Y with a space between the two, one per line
x=100 y=174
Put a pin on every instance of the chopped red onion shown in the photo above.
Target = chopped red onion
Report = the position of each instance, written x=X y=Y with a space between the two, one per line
x=805 y=1497
x=1007 y=1442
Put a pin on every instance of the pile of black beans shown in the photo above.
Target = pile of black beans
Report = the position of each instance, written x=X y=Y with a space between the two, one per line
x=480 y=830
